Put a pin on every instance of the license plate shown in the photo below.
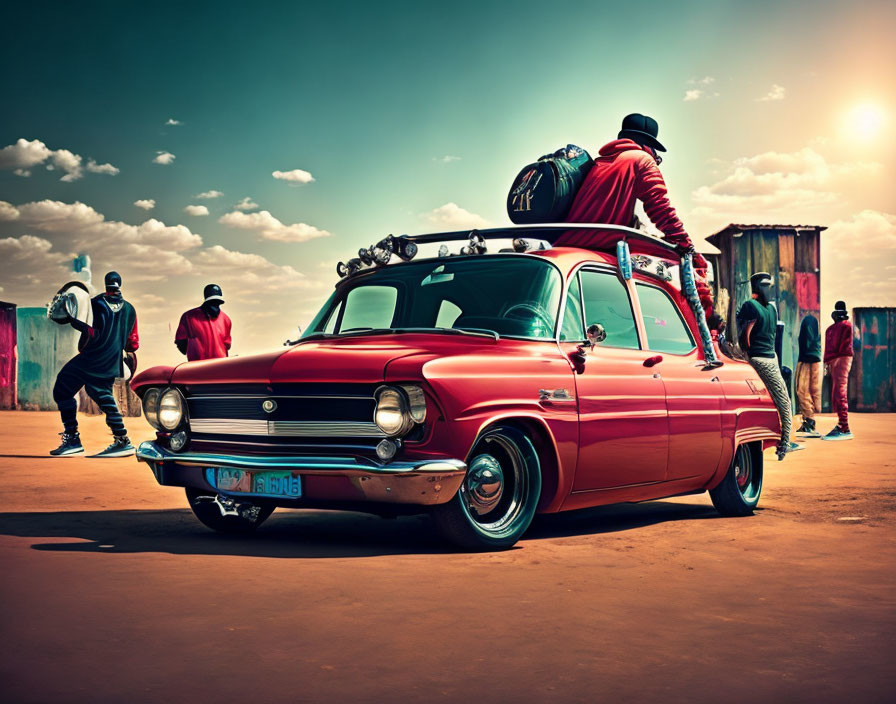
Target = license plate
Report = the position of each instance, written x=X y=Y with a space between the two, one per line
x=266 y=483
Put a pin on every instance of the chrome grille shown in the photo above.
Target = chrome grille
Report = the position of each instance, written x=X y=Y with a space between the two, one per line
x=286 y=428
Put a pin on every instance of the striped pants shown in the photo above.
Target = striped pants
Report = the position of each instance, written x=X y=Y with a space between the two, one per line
x=768 y=371
x=69 y=381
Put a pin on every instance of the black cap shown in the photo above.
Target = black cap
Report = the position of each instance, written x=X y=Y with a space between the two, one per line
x=113 y=280
x=642 y=129
x=212 y=292
x=840 y=305
x=760 y=278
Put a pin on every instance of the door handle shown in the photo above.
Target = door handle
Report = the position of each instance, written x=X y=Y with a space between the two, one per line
x=653 y=361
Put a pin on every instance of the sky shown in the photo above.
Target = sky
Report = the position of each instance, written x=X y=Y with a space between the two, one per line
x=255 y=145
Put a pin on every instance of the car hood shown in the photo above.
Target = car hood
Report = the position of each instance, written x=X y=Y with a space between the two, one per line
x=352 y=359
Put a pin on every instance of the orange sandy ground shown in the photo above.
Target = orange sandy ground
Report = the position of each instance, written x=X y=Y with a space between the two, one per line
x=112 y=592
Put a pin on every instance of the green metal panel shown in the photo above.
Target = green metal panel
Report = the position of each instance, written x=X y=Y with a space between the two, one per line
x=43 y=348
x=873 y=380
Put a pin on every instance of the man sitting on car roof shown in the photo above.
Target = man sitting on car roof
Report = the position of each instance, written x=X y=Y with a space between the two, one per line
x=628 y=170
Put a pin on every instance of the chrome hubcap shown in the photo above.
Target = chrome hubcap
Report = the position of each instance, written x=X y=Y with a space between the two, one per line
x=484 y=484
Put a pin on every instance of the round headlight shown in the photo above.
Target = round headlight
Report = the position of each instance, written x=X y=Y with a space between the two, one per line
x=392 y=416
x=151 y=407
x=171 y=409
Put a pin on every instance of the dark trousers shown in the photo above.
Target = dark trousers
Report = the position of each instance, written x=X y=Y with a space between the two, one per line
x=69 y=381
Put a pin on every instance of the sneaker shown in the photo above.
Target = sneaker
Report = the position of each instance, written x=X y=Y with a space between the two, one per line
x=838 y=433
x=120 y=447
x=71 y=445
x=807 y=429
x=795 y=447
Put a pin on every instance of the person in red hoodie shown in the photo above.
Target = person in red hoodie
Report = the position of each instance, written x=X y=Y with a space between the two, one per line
x=838 y=360
x=204 y=332
x=627 y=170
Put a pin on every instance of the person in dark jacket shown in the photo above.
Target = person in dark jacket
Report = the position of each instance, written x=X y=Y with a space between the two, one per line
x=808 y=375
x=758 y=321
x=204 y=332
x=99 y=361
x=627 y=170
x=838 y=361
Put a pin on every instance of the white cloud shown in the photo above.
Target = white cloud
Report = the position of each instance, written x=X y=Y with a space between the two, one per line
x=270 y=228
x=705 y=81
x=68 y=162
x=196 y=210
x=452 y=215
x=693 y=94
x=294 y=176
x=24 y=154
x=775 y=93
x=164 y=158
x=29 y=261
x=255 y=272
x=172 y=121
x=95 y=168
x=24 y=173
x=791 y=184
x=246 y=204
x=853 y=247
x=209 y=194
x=447 y=159
x=145 y=203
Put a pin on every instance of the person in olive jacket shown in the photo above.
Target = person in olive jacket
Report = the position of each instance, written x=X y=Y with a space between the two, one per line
x=808 y=375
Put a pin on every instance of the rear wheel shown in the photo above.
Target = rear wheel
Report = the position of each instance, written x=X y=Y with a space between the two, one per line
x=497 y=501
x=246 y=516
x=738 y=493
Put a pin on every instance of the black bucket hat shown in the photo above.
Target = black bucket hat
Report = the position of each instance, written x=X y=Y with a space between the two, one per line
x=642 y=129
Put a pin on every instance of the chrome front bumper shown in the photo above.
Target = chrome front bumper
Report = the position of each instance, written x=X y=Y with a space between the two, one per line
x=423 y=482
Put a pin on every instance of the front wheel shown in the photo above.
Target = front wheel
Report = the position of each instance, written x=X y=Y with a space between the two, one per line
x=497 y=501
x=738 y=493
x=245 y=519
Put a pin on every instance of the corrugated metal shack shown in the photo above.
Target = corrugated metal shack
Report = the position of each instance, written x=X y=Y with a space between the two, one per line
x=790 y=253
x=7 y=356
x=872 y=379
x=43 y=347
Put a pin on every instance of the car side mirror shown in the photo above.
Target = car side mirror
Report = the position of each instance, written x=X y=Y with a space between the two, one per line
x=594 y=336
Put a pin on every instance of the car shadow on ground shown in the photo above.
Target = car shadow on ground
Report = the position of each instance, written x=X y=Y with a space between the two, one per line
x=304 y=534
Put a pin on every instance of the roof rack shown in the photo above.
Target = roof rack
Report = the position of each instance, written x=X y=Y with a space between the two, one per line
x=598 y=237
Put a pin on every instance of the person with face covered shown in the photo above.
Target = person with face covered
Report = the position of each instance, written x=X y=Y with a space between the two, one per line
x=204 y=332
x=757 y=321
x=838 y=356
x=99 y=361
x=625 y=171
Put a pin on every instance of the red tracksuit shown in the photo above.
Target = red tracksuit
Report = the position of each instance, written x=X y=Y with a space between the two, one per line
x=205 y=338
x=623 y=173
x=838 y=356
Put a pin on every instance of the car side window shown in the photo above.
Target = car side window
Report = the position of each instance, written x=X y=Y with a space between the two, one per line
x=666 y=331
x=607 y=303
x=368 y=307
x=573 y=328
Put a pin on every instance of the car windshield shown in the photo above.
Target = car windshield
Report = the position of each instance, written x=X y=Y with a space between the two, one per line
x=509 y=296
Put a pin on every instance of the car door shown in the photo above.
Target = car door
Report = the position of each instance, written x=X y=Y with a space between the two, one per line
x=623 y=424
x=693 y=396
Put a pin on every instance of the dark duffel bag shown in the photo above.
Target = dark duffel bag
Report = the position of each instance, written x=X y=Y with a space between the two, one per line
x=544 y=191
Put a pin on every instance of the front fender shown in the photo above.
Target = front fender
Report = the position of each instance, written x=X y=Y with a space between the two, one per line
x=154 y=376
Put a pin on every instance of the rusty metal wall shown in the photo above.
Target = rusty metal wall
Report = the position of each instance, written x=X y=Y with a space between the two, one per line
x=7 y=356
x=872 y=379
x=43 y=348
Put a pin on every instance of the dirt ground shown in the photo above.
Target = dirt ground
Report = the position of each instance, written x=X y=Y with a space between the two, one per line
x=111 y=591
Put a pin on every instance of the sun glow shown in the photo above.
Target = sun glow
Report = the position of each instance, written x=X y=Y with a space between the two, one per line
x=865 y=121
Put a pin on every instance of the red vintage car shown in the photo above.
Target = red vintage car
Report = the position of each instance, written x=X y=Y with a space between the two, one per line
x=480 y=386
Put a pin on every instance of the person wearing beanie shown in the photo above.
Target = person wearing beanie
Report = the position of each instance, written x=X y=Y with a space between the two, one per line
x=757 y=321
x=204 y=332
x=838 y=361
x=627 y=170
x=808 y=375
x=99 y=361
